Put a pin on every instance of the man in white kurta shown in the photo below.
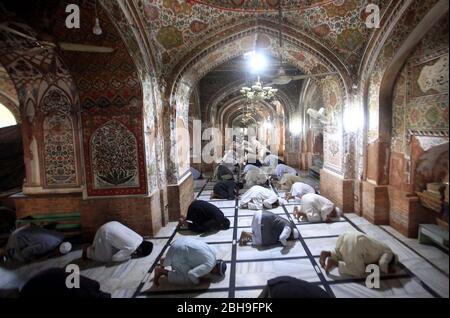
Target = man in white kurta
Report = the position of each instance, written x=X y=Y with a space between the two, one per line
x=114 y=242
x=257 y=198
x=282 y=169
x=255 y=177
x=190 y=260
x=316 y=208
x=250 y=167
x=354 y=251
x=288 y=180
x=298 y=190
x=271 y=160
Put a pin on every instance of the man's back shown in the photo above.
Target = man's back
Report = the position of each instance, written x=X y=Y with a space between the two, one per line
x=191 y=252
x=112 y=237
x=29 y=241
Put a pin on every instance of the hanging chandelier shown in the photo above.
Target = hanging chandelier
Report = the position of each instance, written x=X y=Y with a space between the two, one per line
x=258 y=93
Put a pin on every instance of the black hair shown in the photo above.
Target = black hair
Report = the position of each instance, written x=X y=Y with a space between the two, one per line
x=226 y=224
x=144 y=249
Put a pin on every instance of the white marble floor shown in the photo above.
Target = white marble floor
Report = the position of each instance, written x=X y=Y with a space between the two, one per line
x=425 y=273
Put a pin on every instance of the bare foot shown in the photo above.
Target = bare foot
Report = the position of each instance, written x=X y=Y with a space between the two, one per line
x=245 y=238
x=296 y=213
x=330 y=263
x=288 y=196
x=323 y=257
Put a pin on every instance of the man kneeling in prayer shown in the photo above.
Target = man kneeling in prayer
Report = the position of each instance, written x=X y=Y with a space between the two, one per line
x=268 y=229
x=190 y=261
x=283 y=169
x=257 y=198
x=30 y=242
x=316 y=208
x=226 y=190
x=204 y=217
x=114 y=242
x=222 y=173
x=287 y=181
x=256 y=177
x=354 y=251
x=52 y=283
x=290 y=287
x=298 y=190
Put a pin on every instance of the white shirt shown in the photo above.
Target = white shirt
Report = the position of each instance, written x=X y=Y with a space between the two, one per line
x=299 y=189
x=114 y=242
x=255 y=177
x=355 y=250
x=271 y=160
x=190 y=260
x=316 y=207
x=249 y=167
x=283 y=169
x=288 y=180
x=260 y=196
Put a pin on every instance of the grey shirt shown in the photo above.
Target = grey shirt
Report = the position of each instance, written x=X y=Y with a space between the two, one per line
x=29 y=241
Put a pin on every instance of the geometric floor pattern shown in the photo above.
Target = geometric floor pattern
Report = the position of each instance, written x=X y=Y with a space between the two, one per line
x=423 y=273
x=249 y=268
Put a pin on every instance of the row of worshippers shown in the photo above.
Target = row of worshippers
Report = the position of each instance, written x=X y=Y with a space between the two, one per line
x=354 y=250
x=192 y=261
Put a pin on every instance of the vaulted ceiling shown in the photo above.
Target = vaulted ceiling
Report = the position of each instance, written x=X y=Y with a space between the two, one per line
x=176 y=27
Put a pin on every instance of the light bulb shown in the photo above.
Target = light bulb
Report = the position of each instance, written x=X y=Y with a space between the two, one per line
x=97 y=29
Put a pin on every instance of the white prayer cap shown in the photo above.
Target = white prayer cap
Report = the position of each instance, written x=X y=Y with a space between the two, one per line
x=338 y=211
x=65 y=247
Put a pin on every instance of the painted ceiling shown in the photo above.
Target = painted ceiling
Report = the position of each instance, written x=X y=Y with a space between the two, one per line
x=177 y=26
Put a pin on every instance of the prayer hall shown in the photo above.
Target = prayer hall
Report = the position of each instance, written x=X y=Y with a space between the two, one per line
x=224 y=149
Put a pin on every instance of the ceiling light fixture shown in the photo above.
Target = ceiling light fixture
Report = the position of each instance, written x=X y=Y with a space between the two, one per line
x=258 y=93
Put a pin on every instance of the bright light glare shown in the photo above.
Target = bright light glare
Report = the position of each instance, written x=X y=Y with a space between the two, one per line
x=268 y=125
x=353 y=119
x=257 y=62
x=6 y=117
x=296 y=127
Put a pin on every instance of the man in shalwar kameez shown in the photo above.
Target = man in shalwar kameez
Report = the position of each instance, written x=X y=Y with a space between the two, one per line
x=268 y=229
x=316 y=208
x=354 y=251
x=258 y=197
x=191 y=260
x=114 y=242
x=287 y=181
x=298 y=190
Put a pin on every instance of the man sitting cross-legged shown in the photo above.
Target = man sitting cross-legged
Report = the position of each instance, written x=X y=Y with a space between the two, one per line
x=204 y=217
x=191 y=260
x=268 y=229
x=316 y=208
x=354 y=251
